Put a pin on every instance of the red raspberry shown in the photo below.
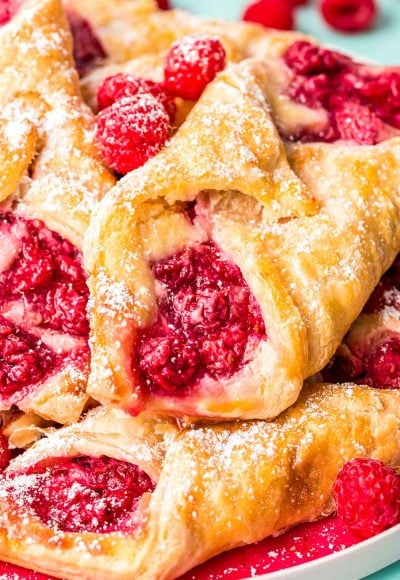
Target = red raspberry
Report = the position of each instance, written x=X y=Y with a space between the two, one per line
x=271 y=13
x=308 y=59
x=7 y=10
x=367 y=495
x=87 y=47
x=349 y=15
x=163 y=4
x=121 y=85
x=383 y=365
x=131 y=131
x=192 y=63
x=5 y=454
x=170 y=363
x=357 y=123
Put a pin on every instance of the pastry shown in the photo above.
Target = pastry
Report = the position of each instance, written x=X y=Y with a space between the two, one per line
x=48 y=195
x=370 y=353
x=180 y=511
x=22 y=430
x=128 y=29
x=221 y=277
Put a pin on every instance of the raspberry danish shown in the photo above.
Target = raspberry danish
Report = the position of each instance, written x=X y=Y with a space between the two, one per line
x=370 y=351
x=220 y=277
x=48 y=196
x=122 y=497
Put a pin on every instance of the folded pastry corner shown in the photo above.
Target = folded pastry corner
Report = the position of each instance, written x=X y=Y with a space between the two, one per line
x=179 y=510
x=51 y=179
x=220 y=277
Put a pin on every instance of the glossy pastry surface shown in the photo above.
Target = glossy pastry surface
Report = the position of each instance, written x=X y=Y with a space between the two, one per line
x=168 y=332
x=58 y=178
x=280 y=473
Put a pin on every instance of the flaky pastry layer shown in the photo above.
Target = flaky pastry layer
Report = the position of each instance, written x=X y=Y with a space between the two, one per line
x=311 y=233
x=279 y=474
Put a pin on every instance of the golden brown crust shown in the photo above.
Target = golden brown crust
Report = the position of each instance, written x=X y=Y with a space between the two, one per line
x=43 y=90
x=311 y=243
x=237 y=118
x=48 y=161
x=280 y=473
x=17 y=148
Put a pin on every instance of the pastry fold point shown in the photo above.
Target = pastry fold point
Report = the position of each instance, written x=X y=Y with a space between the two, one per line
x=280 y=473
x=311 y=238
x=38 y=83
x=228 y=144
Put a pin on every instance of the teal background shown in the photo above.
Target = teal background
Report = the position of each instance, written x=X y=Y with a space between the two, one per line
x=381 y=45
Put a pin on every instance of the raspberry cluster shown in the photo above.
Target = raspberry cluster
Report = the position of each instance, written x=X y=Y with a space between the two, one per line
x=136 y=114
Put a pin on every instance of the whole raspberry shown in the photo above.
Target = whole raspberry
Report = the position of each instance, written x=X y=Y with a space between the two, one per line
x=131 y=131
x=5 y=454
x=349 y=15
x=122 y=85
x=367 y=495
x=191 y=63
x=163 y=4
x=271 y=13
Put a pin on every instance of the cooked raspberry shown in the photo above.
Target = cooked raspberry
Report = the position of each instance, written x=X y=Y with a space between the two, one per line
x=191 y=63
x=5 y=454
x=385 y=295
x=168 y=362
x=201 y=311
x=131 y=131
x=271 y=13
x=223 y=353
x=8 y=8
x=43 y=292
x=383 y=92
x=204 y=301
x=178 y=270
x=358 y=100
x=382 y=365
x=367 y=495
x=88 y=49
x=66 y=309
x=345 y=367
x=24 y=360
x=123 y=85
x=306 y=58
x=35 y=269
x=85 y=494
x=350 y=15
x=357 y=123
x=47 y=273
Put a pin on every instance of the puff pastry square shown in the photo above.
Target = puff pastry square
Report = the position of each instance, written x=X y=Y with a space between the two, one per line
x=310 y=233
x=280 y=473
x=51 y=179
